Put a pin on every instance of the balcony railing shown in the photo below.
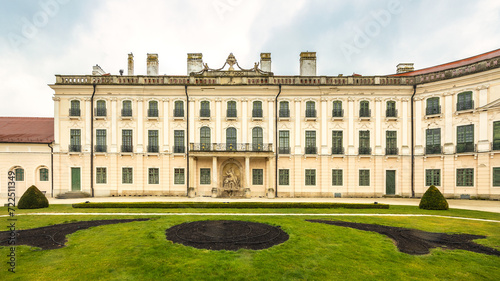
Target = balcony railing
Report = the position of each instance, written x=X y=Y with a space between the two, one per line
x=284 y=150
x=433 y=110
x=465 y=105
x=466 y=147
x=391 y=112
x=153 y=148
x=126 y=112
x=74 y=112
x=337 y=150
x=311 y=150
x=284 y=113
x=365 y=112
x=179 y=149
x=205 y=112
x=337 y=113
x=364 y=150
x=433 y=149
x=152 y=112
x=391 y=151
x=100 y=148
x=127 y=148
x=231 y=113
x=310 y=113
x=100 y=112
x=257 y=113
x=75 y=148
x=179 y=112
x=237 y=147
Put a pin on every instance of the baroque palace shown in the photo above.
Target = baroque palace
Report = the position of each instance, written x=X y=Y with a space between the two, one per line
x=235 y=132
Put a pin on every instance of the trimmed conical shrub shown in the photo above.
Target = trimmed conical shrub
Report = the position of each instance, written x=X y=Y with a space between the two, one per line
x=33 y=198
x=433 y=199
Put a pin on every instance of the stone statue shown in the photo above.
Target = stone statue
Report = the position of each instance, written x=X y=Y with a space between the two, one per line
x=231 y=181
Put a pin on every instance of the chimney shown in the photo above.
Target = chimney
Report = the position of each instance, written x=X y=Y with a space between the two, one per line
x=194 y=62
x=265 y=62
x=130 y=64
x=405 y=67
x=308 y=64
x=153 y=64
x=97 y=70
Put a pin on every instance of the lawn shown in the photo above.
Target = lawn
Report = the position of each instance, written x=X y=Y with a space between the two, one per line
x=140 y=251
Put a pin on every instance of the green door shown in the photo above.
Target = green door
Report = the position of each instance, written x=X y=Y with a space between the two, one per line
x=75 y=179
x=390 y=182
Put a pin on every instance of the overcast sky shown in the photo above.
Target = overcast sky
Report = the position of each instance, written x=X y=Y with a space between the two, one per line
x=41 y=38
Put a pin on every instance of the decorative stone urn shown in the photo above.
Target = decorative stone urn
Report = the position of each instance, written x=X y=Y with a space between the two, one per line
x=270 y=193
x=191 y=192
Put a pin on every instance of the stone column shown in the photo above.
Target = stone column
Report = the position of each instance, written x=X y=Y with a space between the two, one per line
x=483 y=144
x=218 y=120
x=88 y=118
x=298 y=121
x=270 y=115
x=192 y=131
x=114 y=116
x=57 y=141
x=324 y=131
x=378 y=127
x=419 y=149
x=244 y=120
x=351 y=148
x=166 y=121
x=449 y=147
x=405 y=126
x=215 y=173
x=140 y=126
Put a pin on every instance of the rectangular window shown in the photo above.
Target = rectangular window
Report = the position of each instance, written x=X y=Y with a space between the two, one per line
x=179 y=176
x=364 y=177
x=465 y=138
x=433 y=141
x=465 y=177
x=337 y=177
x=432 y=106
x=126 y=140
x=19 y=174
x=257 y=176
x=75 y=144
x=310 y=177
x=204 y=176
x=311 y=142
x=337 y=109
x=284 y=110
x=284 y=177
x=496 y=135
x=153 y=141
x=284 y=142
x=364 y=142
x=496 y=176
x=100 y=140
x=433 y=177
x=100 y=175
x=257 y=109
x=127 y=175
x=44 y=174
x=391 y=143
x=337 y=142
x=178 y=141
x=153 y=176
x=464 y=101
x=231 y=109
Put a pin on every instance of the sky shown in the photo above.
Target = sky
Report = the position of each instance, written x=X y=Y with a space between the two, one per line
x=42 y=38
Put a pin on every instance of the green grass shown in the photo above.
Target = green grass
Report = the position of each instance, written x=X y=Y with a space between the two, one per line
x=140 y=251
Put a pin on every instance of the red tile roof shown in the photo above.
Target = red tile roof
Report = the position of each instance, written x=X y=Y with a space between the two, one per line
x=26 y=130
x=454 y=64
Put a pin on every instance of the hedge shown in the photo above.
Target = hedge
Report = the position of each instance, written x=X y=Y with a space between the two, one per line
x=433 y=199
x=33 y=198
x=234 y=205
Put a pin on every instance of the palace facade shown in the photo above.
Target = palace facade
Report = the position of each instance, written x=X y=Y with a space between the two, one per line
x=236 y=132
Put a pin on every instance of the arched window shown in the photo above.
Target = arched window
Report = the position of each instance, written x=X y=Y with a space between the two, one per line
x=257 y=109
x=205 y=138
x=179 y=108
x=364 y=109
x=100 y=108
x=464 y=101
x=433 y=106
x=205 y=109
x=75 y=108
x=127 y=108
x=231 y=139
x=19 y=174
x=231 y=109
x=284 y=109
x=310 y=109
x=257 y=139
x=153 y=109
x=391 y=109
x=44 y=174
x=337 y=109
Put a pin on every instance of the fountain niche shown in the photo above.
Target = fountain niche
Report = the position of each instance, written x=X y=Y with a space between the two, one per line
x=232 y=183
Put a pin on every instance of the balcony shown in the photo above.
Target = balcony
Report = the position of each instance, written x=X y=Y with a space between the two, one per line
x=433 y=110
x=391 y=113
x=126 y=113
x=365 y=113
x=311 y=150
x=232 y=147
x=284 y=150
x=433 y=149
x=337 y=150
x=337 y=113
x=257 y=113
x=127 y=149
x=284 y=113
x=179 y=149
x=100 y=148
x=153 y=113
x=365 y=151
x=74 y=112
x=179 y=113
x=75 y=148
x=465 y=147
x=205 y=113
x=391 y=151
x=231 y=114
x=465 y=105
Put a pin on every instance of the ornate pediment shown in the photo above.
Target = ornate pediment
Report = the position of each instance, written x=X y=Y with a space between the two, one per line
x=231 y=62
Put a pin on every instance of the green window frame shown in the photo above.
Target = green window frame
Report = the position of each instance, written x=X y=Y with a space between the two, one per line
x=231 y=109
x=284 y=142
x=496 y=176
x=179 y=141
x=74 y=108
x=337 y=177
x=364 y=139
x=465 y=138
x=284 y=177
x=257 y=176
x=310 y=109
x=364 y=177
x=205 y=137
x=100 y=136
x=433 y=177
x=432 y=106
x=204 y=108
x=127 y=175
x=153 y=108
x=391 y=143
x=284 y=109
x=496 y=135
x=127 y=108
x=153 y=175
x=257 y=139
x=19 y=174
x=179 y=176
x=310 y=176
x=44 y=174
x=337 y=141
x=178 y=108
x=311 y=139
x=205 y=176
x=231 y=138
x=75 y=137
x=464 y=101
x=465 y=177
x=257 y=109
x=433 y=137
x=337 y=109
x=153 y=141
x=101 y=175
